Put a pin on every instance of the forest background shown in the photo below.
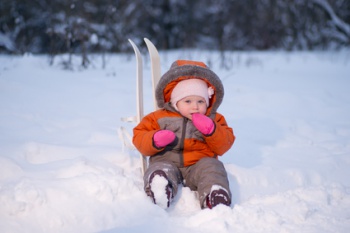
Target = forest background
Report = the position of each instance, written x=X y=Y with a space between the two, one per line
x=103 y=26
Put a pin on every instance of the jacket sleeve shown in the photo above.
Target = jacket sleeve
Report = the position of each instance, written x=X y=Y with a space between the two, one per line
x=143 y=135
x=221 y=140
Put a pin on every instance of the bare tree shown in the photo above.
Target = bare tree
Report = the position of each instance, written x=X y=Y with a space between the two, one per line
x=340 y=26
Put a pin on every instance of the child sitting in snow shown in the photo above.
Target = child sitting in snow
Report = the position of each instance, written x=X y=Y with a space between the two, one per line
x=185 y=137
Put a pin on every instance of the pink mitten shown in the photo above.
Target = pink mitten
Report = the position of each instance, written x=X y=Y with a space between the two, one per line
x=163 y=137
x=203 y=123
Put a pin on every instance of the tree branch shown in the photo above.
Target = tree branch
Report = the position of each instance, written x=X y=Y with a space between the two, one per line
x=338 y=22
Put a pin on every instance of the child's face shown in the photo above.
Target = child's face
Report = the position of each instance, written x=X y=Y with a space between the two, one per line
x=191 y=104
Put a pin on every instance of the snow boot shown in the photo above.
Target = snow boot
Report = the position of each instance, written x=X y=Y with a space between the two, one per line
x=216 y=197
x=161 y=189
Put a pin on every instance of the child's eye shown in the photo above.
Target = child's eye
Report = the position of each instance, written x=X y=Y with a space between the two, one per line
x=200 y=101
x=188 y=101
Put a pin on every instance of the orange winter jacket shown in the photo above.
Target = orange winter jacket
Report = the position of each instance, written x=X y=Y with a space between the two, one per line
x=190 y=145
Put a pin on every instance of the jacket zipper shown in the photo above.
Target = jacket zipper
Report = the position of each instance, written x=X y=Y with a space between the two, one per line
x=182 y=142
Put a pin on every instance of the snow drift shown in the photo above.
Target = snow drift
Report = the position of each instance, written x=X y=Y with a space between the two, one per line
x=63 y=167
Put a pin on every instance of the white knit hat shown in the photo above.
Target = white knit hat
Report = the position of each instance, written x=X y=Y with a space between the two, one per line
x=190 y=87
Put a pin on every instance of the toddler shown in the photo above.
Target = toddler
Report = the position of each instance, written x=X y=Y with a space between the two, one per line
x=185 y=137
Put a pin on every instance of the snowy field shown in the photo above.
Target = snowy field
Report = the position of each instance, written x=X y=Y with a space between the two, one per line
x=64 y=167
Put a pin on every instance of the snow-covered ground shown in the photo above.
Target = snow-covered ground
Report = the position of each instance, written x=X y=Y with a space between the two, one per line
x=64 y=167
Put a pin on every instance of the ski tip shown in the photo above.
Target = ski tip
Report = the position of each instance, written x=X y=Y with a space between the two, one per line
x=152 y=49
x=131 y=42
x=134 y=46
x=149 y=43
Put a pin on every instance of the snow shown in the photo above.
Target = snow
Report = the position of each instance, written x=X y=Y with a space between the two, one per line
x=64 y=168
x=158 y=187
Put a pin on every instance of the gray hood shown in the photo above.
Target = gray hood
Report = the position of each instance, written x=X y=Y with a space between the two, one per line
x=183 y=69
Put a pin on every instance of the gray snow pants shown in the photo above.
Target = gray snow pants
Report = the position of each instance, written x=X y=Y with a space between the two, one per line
x=198 y=177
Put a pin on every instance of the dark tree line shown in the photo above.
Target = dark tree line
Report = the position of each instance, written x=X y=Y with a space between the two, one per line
x=89 y=26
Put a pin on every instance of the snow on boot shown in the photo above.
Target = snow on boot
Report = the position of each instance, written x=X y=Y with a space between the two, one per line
x=218 y=196
x=161 y=189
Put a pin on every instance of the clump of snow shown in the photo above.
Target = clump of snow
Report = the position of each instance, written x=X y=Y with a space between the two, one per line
x=218 y=187
x=64 y=168
x=94 y=39
x=158 y=187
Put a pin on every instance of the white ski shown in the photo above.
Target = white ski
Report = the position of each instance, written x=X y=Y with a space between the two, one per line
x=139 y=96
x=155 y=67
x=156 y=74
